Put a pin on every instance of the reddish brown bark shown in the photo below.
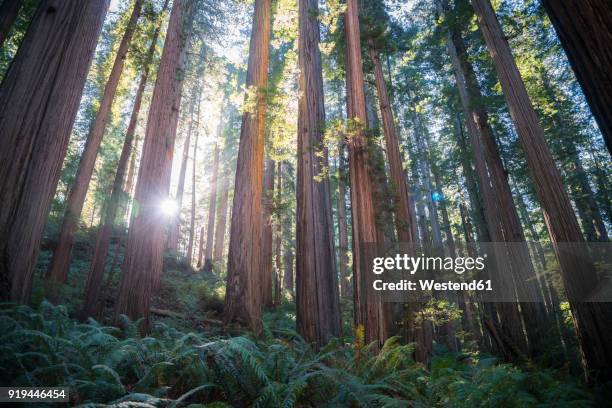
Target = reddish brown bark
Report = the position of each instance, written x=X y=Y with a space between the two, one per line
x=9 y=9
x=318 y=308
x=368 y=312
x=58 y=268
x=406 y=230
x=585 y=30
x=243 y=294
x=522 y=269
x=593 y=321
x=96 y=273
x=39 y=99
x=143 y=263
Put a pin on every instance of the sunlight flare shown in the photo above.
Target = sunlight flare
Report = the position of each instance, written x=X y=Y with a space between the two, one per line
x=169 y=207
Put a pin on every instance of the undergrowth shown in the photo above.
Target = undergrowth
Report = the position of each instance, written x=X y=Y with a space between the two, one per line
x=172 y=368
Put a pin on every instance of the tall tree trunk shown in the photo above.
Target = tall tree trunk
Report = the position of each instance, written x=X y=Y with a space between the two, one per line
x=221 y=220
x=592 y=320
x=318 y=306
x=243 y=294
x=96 y=272
x=406 y=230
x=266 y=266
x=212 y=207
x=39 y=99
x=175 y=225
x=521 y=267
x=343 y=228
x=369 y=313
x=593 y=214
x=278 y=239
x=129 y=181
x=604 y=186
x=143 y=263
x=193 y=194
x=422 y=140
x=287 y=219
x=194 y=104
x=9 y=9
x=471 y=185
x=448 y=329
x=201 y=247
x=511 y=327
x=467 y=306
x=582 y=193
x=585 y=30
x=58 y=268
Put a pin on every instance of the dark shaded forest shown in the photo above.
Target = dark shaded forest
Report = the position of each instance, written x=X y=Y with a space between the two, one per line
x=195 y=196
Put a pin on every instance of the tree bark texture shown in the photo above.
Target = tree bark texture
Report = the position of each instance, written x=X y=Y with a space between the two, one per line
x=39 y=99
x=58 y=268
x=592 y=320
x=522 y=269
x=406 y=230
x=103 y=239
x=369 y=313
x=585 y=30
x=143 y=264
x=318 y=306
x=243 y=295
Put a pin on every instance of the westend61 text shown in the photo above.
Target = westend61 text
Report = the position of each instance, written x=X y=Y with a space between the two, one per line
x=430 y=284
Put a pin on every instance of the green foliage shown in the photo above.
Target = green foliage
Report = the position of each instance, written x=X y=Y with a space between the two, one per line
x=171 y=368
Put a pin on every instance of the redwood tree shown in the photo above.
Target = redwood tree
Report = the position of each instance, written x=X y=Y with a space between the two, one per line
x=406 y=230
x=368 y=311
x=96 y=273
x=318 y=309
x=512 y=230
x=39 y=99
x=58 y=268
x=243 y=291
x=593 y=321
x=343 y=244
x=143 y=263
x=194 y=112
x=212 y=205
x=192 y=227
x=585 y=30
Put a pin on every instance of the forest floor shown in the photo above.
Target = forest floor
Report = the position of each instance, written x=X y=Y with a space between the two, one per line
x=190 y=359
